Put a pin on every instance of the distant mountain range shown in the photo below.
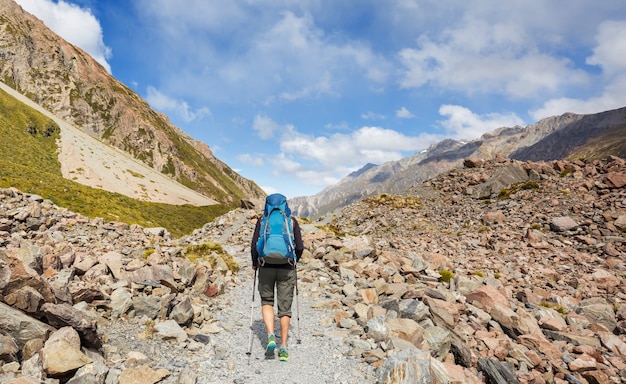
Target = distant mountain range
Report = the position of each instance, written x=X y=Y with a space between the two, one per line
x=569 y=136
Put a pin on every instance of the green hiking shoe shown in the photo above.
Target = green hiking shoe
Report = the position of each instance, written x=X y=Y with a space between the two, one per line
x=271 y=344
x=283 y=355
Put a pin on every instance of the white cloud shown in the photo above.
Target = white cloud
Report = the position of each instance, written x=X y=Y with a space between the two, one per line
x=265 y=127
x=293 y=52
x=372 y=116
x=610 y=48
x=487 y=58
x=323 y=160
x=404 y=113
x=269 y=190
x=608 y=54
x=336 y=155
x=164 y=103
x=308 y=175
x=263 y=54
x=74 y=24
x=252 y=159
x=462 y=123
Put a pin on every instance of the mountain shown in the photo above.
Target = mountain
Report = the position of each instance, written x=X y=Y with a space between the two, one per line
x=88 y=161
x=69 y=83
x=569 y=136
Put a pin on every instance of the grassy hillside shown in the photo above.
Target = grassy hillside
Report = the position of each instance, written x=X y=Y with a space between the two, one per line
x=611 y=142
x=29 y=162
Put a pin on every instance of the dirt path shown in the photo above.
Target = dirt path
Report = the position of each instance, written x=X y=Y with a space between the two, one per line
x=321 y=356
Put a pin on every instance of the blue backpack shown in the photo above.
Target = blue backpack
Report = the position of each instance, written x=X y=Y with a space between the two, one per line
x=276 y=242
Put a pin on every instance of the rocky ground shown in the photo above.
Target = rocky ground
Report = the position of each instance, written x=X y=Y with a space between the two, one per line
x=499 y=272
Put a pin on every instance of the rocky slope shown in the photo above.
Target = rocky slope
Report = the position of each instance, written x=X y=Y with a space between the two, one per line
x=499 y=272
x=69 y=83
x=569 y=136
x=86 y=160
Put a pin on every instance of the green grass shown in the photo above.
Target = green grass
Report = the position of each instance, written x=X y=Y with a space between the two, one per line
x=208 y=252
x=29 y=162
x=506 y=193
x=446 y=275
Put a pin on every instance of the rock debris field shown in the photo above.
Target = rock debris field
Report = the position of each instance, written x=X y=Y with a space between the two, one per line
x=497 y=272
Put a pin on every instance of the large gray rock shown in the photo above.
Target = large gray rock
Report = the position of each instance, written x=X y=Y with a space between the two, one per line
x=498 y=372
x=182 y=312
x=148 y=306
x=413 y=309
x=121 y=302
x=62 y=315
x=22 y=327
x=598 y=310
x=410 y=366
x=506 y=176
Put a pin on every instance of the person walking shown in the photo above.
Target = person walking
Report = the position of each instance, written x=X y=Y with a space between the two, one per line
x=277 y=276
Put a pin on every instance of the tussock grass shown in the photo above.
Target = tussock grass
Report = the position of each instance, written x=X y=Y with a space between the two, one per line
x=29 y=162
x=393 y=201
x=209 y=252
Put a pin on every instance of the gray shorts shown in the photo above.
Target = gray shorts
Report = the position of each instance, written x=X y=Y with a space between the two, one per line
x=284 y=280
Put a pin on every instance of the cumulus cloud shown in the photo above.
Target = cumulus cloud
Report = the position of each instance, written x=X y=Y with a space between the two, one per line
x=274 y=54
x=404 y=113
x=164 y=103
x=74 y=24
x=462 y=123
x=265 y=127
x=609 y=51
x=487 y=58
x=372 y=116
x=314 y=175
x=608 y=56
x=340 y=152
x=252 y=159
x=322 y=160
x=294 y=52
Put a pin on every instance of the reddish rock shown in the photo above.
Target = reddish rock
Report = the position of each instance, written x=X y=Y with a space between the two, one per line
x=615 y=179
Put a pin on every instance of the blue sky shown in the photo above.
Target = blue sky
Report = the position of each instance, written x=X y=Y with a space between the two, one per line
x=296 y=94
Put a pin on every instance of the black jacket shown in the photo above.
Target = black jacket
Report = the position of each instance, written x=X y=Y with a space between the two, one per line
x=298 y=244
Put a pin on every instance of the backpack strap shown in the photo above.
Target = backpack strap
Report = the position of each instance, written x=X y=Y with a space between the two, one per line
x=289 y=235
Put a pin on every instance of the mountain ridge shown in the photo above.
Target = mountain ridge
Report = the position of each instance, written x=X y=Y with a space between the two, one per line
x=568 y=136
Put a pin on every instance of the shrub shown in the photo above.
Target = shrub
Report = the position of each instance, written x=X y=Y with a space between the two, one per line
x=446 y=275
x=148 y=252
x=555 y=306
x=208 y=252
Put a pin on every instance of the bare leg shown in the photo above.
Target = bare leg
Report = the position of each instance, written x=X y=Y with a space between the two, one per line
x=268 y=318
x=284 y=330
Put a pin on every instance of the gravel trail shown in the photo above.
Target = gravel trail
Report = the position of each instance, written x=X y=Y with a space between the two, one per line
x=319 y=357
x=322 y=356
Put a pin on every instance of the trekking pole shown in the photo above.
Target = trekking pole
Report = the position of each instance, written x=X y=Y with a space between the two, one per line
x=251 y=315
x=298 y=340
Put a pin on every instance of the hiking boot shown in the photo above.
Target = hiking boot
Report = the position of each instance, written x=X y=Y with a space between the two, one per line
x=283 y=355
x=271 y=344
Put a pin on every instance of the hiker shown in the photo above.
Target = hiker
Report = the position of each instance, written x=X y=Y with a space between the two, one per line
x=276 y=267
